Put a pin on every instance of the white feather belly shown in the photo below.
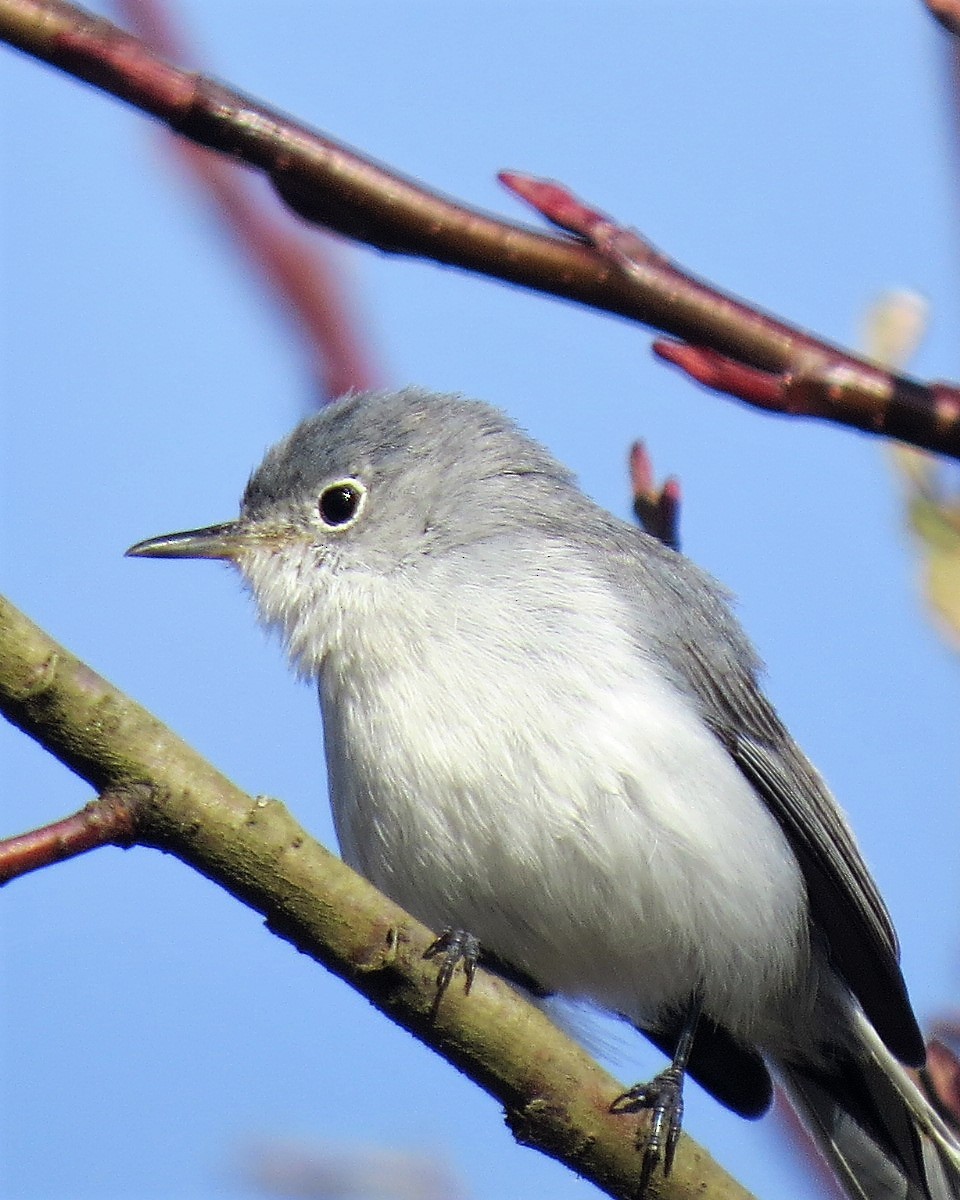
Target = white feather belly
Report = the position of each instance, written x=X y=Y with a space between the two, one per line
x=521 y=772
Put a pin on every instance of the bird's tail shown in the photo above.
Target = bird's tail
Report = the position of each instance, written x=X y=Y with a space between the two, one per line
x=877 y=1131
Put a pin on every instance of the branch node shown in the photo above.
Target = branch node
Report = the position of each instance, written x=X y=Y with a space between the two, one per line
x=109 y=820
x=555 y=202
x=37 y=679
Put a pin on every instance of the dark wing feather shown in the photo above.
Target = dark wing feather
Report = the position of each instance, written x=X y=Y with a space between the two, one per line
x=845 y=905
x=844 y=902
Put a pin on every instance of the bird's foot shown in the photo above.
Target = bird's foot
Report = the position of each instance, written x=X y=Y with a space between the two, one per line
x=663 y=1096
x=452 y=947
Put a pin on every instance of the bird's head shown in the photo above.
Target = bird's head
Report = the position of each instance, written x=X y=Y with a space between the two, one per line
x=373 y=485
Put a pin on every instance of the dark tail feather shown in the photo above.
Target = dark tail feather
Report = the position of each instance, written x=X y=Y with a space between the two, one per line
x=876 y=1130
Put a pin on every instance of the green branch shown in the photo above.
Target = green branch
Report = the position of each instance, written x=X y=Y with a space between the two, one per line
x=158 y=792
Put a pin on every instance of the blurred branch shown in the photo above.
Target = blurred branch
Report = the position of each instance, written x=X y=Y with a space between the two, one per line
x=368 y=1172
x=556 y=1097
x=605 y=265
x=941 y=1075
x=947 y=12
x=300 y=268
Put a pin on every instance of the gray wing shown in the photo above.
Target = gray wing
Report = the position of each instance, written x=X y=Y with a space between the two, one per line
x=687 y=616
x=845 y=904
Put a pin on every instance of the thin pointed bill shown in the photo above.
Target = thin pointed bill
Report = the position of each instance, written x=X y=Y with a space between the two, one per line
x=216 y=541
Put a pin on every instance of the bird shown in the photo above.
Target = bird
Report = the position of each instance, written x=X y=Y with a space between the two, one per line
x=546 y=739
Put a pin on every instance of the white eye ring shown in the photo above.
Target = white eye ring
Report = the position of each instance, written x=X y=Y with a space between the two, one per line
x=341 y=502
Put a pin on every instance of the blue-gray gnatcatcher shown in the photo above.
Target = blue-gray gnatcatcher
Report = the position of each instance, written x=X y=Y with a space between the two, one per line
x=544 y=732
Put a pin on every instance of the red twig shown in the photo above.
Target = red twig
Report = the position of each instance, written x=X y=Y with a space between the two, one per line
x=941 y=1075
x=727 y=325
x=108 y=820
x=722 y=374
x=302 y=270
x=747 y=353
x=322 y=179
x=947 y=12
x=618 y=271
x=657 y=508
x=823 y=391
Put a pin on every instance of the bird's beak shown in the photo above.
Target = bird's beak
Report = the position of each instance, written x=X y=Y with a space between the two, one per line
x=216 y=541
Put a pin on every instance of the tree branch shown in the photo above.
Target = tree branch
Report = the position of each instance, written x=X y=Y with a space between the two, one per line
x=743 y=352
x=302 y=270
x=947 y=12
x=108 y=820
x=164 y=795
x=617 y=272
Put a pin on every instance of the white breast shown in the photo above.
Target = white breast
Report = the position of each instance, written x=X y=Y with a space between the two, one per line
x=508 y=762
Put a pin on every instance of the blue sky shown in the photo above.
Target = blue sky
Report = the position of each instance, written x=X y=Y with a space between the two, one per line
x=798 y=154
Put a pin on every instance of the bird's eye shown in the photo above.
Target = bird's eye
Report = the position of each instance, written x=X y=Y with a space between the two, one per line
x=340 y=502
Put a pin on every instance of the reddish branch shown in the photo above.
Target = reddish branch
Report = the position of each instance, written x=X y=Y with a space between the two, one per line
x=749 y=354
x=713 y=370
x=941 y=1075
x=947 y=13
x=605 y=265
x=656 y=507
x=107 y=821
x=301 y=269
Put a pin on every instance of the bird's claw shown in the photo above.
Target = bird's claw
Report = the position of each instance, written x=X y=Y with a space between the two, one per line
x=663 y=1096
x=454 y=946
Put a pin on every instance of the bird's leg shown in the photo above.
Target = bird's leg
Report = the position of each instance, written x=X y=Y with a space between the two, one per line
x=663 y=1095
x=453 y=946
